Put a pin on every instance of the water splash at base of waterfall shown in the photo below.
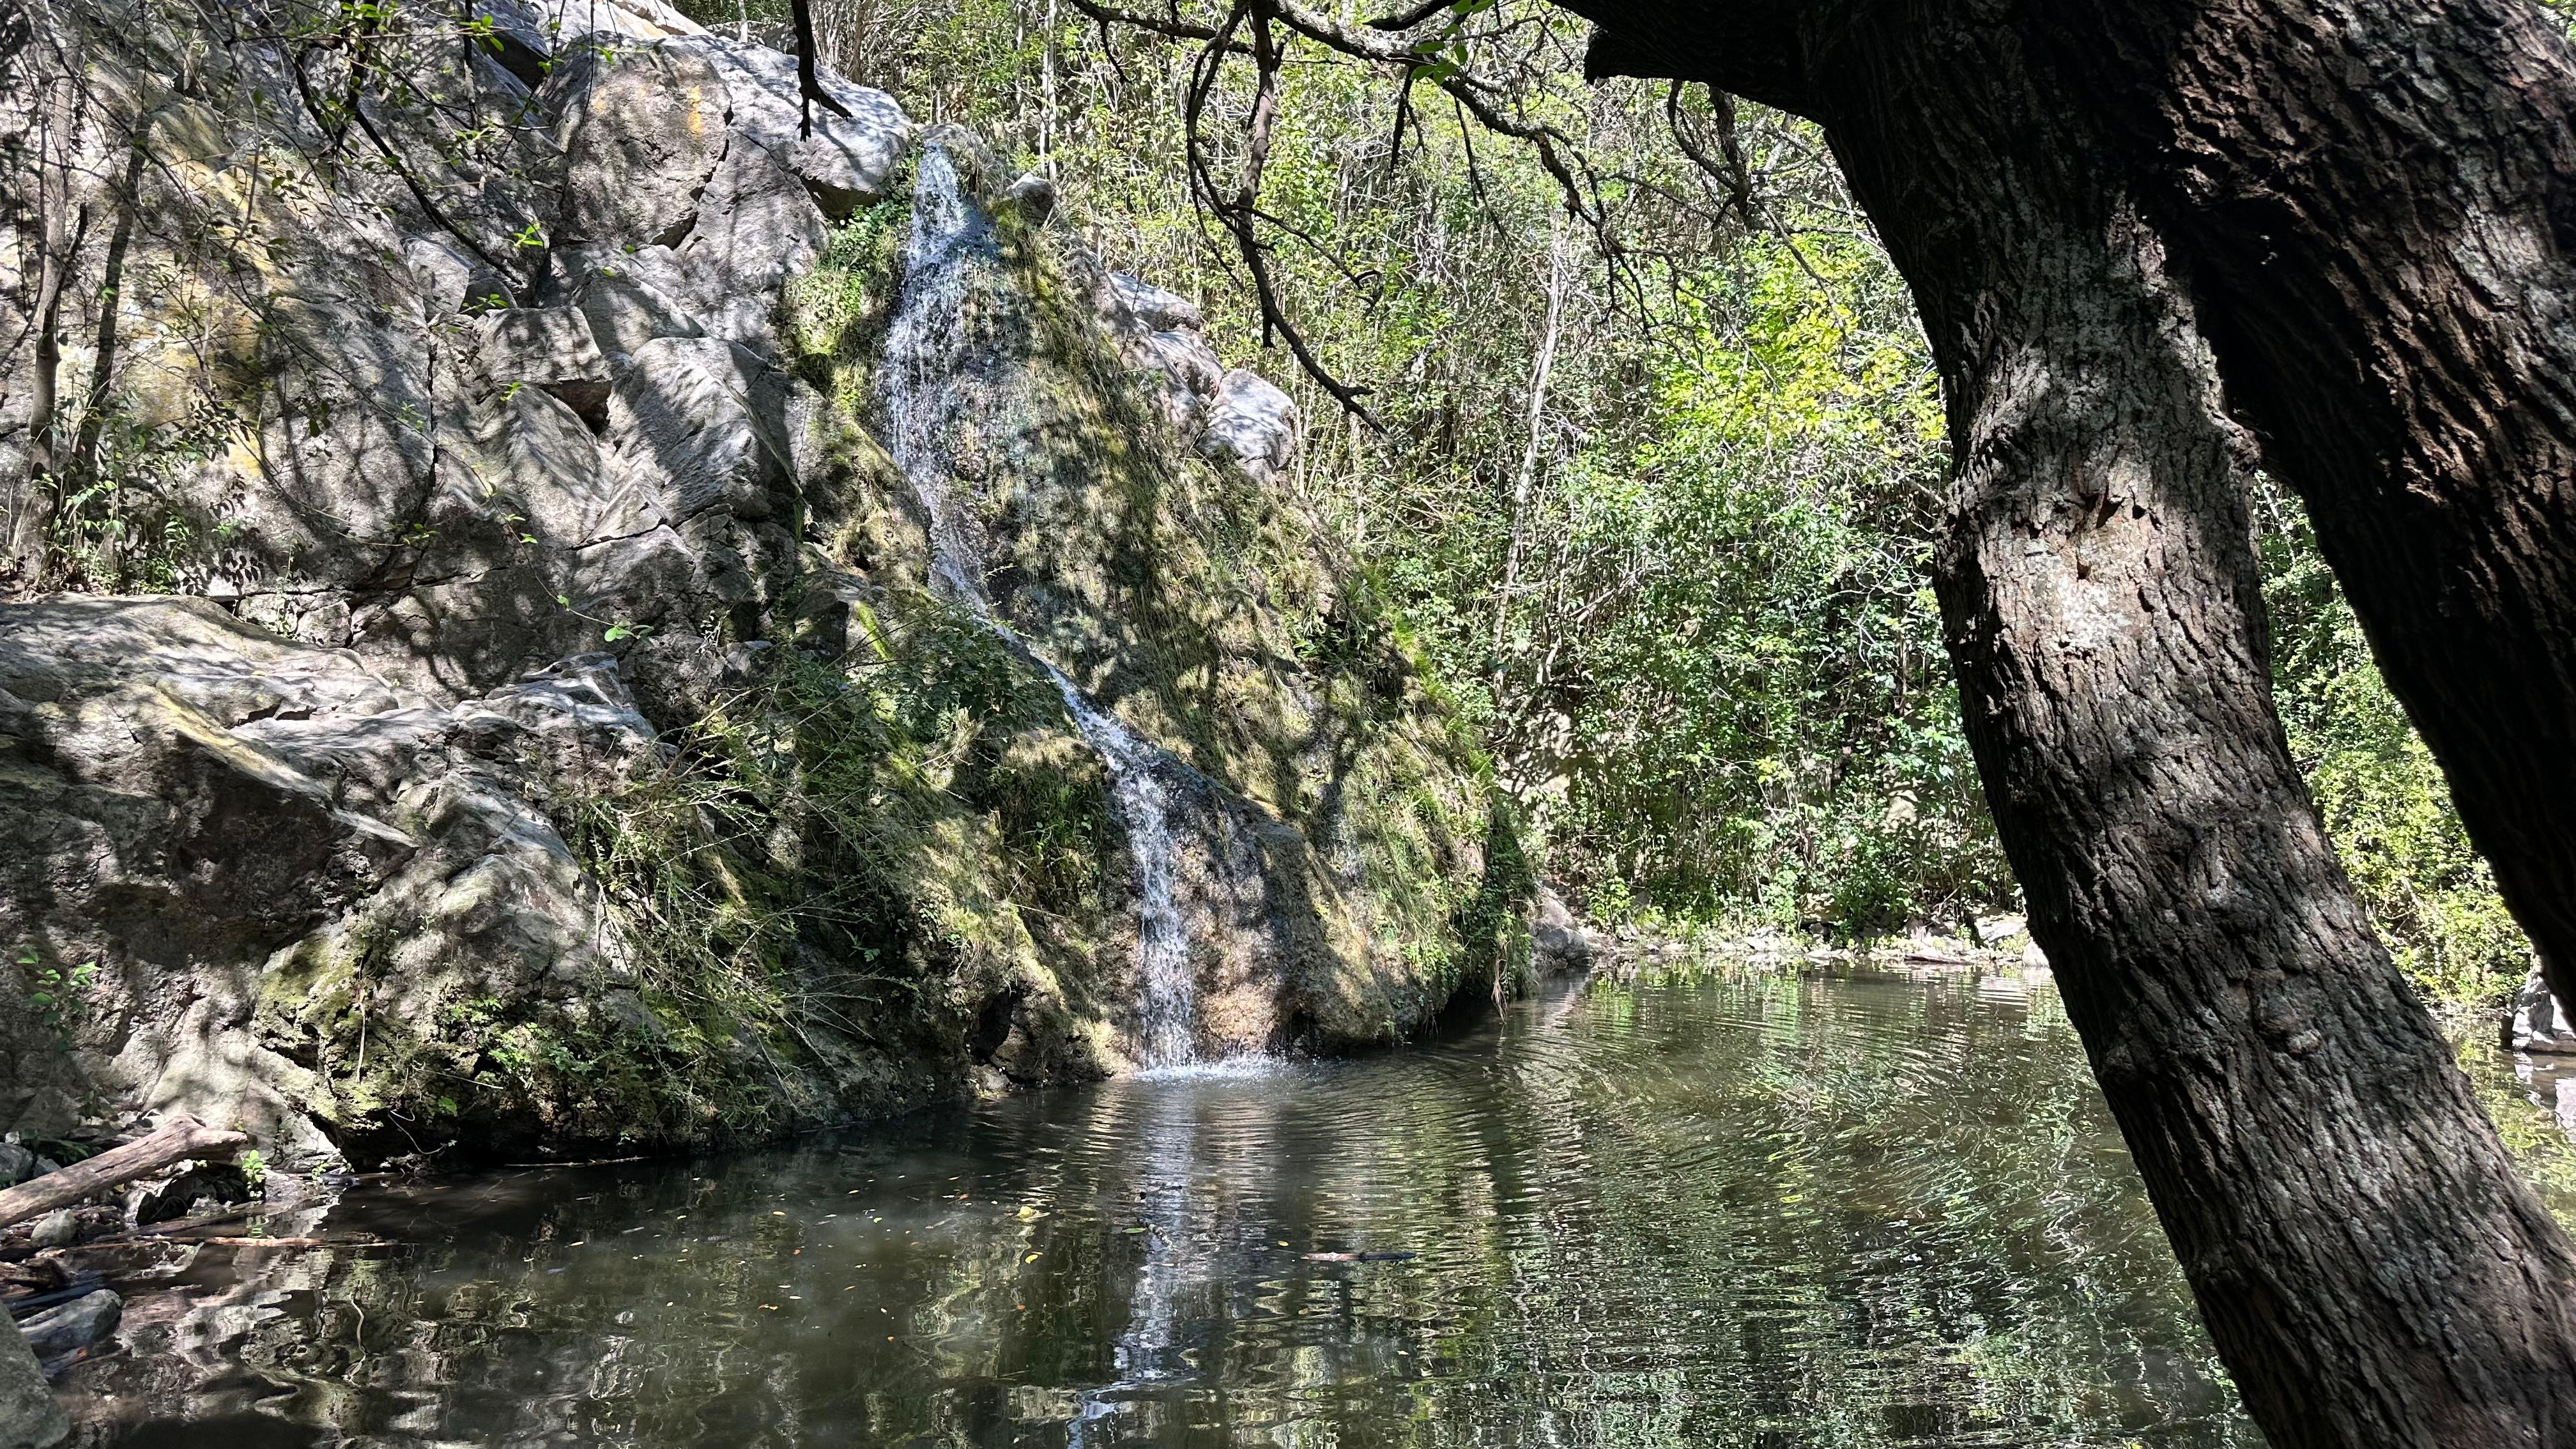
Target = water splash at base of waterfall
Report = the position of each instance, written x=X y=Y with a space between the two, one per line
x=950 y=240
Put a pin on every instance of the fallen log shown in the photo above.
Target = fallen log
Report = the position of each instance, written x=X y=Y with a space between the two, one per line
x=294 y=1242
x=176 y=1140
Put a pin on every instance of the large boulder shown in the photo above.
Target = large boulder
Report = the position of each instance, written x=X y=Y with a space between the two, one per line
x=2539 y=1021
x=1251 y=424
x=1559 y=944
x=548 y=348
x=845 y=157
x=632 y=298
x=642 y=128
x=29 y=1417
x=265 y=855
x=706 y=146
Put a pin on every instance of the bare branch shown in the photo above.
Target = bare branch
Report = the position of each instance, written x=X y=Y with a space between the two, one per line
x=809 y=86
x=1408 y=18
x=1173 y=29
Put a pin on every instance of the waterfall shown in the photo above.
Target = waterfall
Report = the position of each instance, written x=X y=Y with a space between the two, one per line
x=927 y=351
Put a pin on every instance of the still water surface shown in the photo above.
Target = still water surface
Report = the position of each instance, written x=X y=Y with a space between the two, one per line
x=1746 y=1210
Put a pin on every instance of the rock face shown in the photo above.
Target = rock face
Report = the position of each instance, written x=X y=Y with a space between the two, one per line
x=29 y=1417
x=1559 y=944
x=516 y=694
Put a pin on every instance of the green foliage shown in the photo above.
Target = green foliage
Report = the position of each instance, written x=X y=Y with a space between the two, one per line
x=1713 y=682
x=837 y=313
x=792 y=882
x=1768 y=731
x=2378 y=788
x=57 y=996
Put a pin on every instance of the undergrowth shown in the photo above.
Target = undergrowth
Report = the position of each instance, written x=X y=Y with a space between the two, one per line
x=790 y=882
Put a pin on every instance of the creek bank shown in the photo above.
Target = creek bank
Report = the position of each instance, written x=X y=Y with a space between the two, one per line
x=1563 y=943
x=662 y=650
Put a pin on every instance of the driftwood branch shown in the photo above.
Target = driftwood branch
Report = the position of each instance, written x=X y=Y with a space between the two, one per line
x=177 y=1140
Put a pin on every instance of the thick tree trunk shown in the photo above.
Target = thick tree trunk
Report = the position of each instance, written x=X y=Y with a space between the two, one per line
x=2379 y=199
x=2370 y=1265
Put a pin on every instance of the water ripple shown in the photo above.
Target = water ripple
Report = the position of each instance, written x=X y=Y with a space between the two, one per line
x=1752 y=1209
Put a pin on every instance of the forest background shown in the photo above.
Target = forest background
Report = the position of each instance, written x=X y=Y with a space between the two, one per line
x=1654 y=488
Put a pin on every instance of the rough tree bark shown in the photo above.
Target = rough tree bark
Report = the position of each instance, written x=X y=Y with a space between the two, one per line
x=58 y=232
x=2379 y=198
x=2371 y=1266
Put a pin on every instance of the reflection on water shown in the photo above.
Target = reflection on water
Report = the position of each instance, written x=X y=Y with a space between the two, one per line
x=1754 y=1210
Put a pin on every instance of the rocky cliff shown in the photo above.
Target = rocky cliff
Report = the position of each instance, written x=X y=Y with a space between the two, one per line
x=557 y=600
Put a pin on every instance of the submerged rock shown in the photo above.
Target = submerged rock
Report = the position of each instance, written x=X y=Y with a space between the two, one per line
x=67 y=1328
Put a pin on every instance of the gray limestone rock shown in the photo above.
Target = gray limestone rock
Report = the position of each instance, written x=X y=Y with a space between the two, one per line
x=229 y=823
x=642 y=128
x=1141 y=306
x=56 y=1229
x=847 y=162
x=2539 y=1021
x=1558 y=943
x=451 y=279
x=29 y=1417
x=628 y=306
x=702 y=422
x=1034 y=195
x=756 y=227
x=67 y=1328
x=1252 y=425
x=17 y=1164
x=534 y=449
x=549 y=348
x=1158 y=333
x=552 y=26
x=1190 y=376
x=767 y=203
x=577 y=710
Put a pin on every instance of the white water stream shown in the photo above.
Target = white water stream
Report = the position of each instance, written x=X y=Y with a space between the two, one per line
x=926 y=351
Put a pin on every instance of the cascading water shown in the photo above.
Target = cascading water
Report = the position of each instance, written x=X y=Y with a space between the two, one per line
x=926 y=352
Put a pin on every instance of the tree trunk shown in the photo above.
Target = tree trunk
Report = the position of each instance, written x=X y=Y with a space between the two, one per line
x=58 y=234
x=2379 y=199
x=2371 y=1266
